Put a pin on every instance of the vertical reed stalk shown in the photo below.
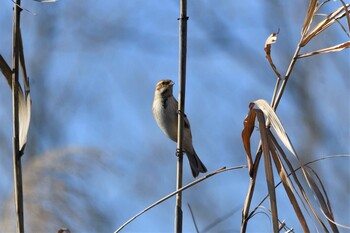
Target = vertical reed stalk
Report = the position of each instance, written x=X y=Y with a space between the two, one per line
x=15 y=90
x=181 y=109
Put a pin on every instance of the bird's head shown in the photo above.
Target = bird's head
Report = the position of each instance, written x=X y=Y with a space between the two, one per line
x=165 y=87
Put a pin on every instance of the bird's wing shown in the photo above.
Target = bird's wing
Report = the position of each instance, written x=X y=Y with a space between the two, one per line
x=186 y=122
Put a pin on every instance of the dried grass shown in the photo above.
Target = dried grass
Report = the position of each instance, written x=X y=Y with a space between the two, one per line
x=269 y=145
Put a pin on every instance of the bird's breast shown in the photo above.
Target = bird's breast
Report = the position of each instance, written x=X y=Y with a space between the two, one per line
x=164 y=111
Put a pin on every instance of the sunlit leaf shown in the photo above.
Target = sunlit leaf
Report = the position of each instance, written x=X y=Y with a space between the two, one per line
x=278 y=127
x=24 y=111
x=328 y=21
x=24 y=103
x=271 y=40
x=310 y=14
x=268 y=168
x=287 y=184
x=304 y=198
x=347 y=14
x=275 y=122
x=335 y=48
x=24 y=100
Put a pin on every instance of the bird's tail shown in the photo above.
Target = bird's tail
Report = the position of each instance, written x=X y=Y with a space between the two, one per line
x=196 y=164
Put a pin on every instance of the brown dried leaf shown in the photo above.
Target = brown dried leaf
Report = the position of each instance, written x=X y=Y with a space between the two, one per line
x=335 y=48
x=310 y=14
x=304 y=197
x=24 y=100
x=246 y=134
x=275 y=122
x=278 y=127
x=287 y=184
x=268 y=168
x=329 y=20
x=6 y=70
x=271 y=40
x=23 y=64
x=347 y=14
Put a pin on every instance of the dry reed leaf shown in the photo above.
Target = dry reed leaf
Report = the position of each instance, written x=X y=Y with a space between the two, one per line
x=271 y=40
x=304 y=198
x=335 y=48
x=331 y=219
x=22 y=64
x=6 y=70
x=24 y=111
x=246 y=134
x=269 y=145
x=24 y=103
x=323 y=189
x=275 y=122
x=329 y=20
x=288 y=187
x=278 y=127
x=325 y=207
x=268 y=169
x=310 y=14
x=347 y=14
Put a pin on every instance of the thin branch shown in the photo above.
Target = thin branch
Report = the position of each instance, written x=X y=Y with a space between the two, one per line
x=224 y=169
x=321 y=4
x=220 y=219
x=286 y=78
x=22 y=8
x=193 y=218
x=250 y=192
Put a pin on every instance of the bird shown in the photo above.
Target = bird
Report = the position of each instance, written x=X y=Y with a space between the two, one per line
x=165 y=112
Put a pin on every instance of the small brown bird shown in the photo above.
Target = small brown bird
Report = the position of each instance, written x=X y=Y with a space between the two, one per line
x=165 y=112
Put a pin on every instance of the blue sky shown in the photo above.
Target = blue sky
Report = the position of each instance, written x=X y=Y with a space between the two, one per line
x=93 y=69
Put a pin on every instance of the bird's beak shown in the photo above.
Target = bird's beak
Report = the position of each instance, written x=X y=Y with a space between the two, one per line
x=172 y=83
